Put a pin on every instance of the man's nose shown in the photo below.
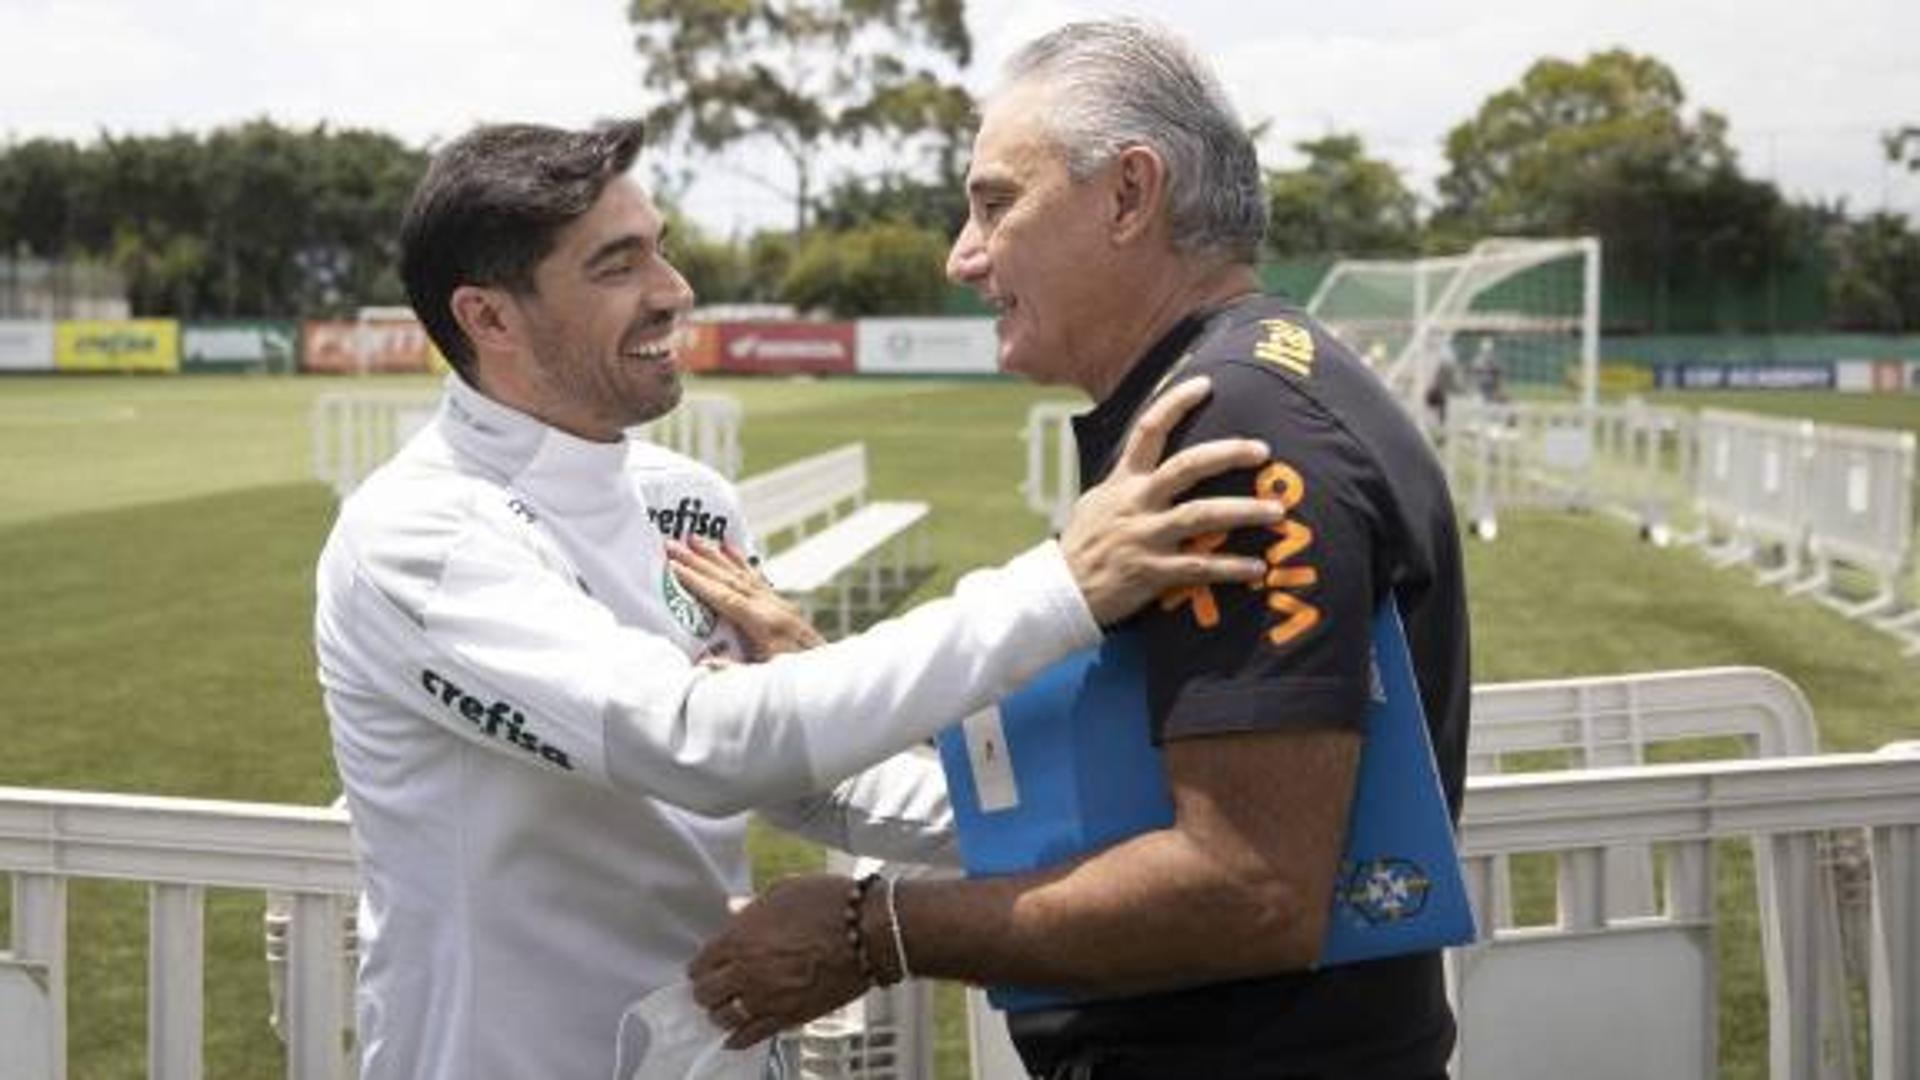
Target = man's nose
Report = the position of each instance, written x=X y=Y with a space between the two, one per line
x=672 y=292
x=967 y=259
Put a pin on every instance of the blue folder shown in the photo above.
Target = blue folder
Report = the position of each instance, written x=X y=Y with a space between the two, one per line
x=1066 y=766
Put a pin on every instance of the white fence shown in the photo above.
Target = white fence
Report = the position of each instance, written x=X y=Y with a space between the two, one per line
x=1752 y=488
x=1814 y=507
x=1613 y=721
x=1602 y=993
x=1822 y=510
x=1613 y=985
x=1598 y=994
x=1859 y=510
x=180 y=847
x=354 y=431
x=1053 y=466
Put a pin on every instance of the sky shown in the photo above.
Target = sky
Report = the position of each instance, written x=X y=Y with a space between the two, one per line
x=1807 y=87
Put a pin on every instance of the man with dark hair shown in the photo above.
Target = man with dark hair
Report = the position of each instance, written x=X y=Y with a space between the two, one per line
x=543 y=765
x=1115 y=212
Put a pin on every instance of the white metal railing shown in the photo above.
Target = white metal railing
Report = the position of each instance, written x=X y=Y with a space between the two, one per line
x=704 y=427
x=1562 y=1017
x=1613 y=720
x=354 y=431
x=1053 y=468
x=1552 y=988
x=1800 y=500
x=180 y=847
x=1860 y=512
x=1599 y=994
x=1753 y=488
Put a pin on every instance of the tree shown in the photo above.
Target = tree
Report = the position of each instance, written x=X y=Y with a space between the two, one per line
x=250 y=220
x=937 y=205
x=1875 y=283
x=880 y=269
x=1341 y=202
x=1903 y=146
x=45 y=188
x=1528 y=161
x=805 y=76
x=1605 y=147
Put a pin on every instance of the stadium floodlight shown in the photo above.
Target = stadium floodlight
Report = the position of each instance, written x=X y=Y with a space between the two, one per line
x=1510 y=312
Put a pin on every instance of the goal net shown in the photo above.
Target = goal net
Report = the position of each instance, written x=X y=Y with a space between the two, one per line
x=1511 y=316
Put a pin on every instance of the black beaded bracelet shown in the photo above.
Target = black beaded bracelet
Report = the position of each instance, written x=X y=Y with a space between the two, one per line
x=856 y=903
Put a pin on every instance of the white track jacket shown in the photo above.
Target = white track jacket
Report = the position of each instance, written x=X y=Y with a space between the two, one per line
x=544 y=782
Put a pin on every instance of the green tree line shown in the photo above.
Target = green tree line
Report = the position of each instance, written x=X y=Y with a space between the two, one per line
x=264 y=220
x=1606 y=147
x=256 y=219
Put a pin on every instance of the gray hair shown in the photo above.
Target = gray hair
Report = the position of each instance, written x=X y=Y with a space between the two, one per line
x=1123 y=82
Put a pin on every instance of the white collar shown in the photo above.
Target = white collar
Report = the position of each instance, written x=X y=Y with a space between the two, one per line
x=557 y=469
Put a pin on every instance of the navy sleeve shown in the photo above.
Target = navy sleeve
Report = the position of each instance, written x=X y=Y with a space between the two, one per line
x=1294 y=652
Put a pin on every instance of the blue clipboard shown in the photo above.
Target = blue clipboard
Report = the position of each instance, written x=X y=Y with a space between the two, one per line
x=1066 y=766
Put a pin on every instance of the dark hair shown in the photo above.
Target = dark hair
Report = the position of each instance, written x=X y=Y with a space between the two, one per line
x=488 y=210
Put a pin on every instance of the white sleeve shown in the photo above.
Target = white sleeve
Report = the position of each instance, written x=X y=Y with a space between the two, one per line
x=897 y=811
x=485 y=637
x=753 y=734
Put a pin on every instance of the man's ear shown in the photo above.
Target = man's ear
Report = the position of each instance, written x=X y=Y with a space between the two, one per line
x=488 y=317
x=1139 y=193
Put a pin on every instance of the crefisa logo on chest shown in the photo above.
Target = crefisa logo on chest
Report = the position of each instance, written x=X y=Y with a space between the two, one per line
x=689 y=517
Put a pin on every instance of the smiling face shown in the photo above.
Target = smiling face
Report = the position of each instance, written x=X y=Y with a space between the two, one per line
x=1039 y=246
x=597 y=331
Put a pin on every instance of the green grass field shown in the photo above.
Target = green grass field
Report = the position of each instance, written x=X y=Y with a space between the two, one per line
x=158 y=536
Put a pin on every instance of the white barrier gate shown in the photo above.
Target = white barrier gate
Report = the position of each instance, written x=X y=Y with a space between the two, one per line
x=354 y=431
x=1612 y=721
x=1603 y=722
x=1754 y=490
x=1809 y=502
x=1859 y=509
x=1550 y=995
x=1053 y=465
x=180 y=847
x=704 y=427
x=1512 y=456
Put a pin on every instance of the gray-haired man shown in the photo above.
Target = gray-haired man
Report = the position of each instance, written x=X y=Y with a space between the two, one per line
x=1116 y=212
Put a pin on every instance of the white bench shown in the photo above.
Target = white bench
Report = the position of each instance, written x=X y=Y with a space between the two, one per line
x=813 y=518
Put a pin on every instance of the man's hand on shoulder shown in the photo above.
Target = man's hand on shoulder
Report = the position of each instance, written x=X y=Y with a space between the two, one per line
x=1124 y=542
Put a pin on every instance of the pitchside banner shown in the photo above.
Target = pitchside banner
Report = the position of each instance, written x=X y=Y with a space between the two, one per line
x=26 y=345
x=699 y=347
x=787 y=348
x=928 y=347
x=117 y=345
x=1787 y=376
x=378 y=347
x=231 y=345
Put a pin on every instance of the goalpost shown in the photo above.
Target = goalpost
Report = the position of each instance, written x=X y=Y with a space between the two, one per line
x=1509 y=314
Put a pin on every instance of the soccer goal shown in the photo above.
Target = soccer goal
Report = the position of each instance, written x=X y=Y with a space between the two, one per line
x=1510 y=316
